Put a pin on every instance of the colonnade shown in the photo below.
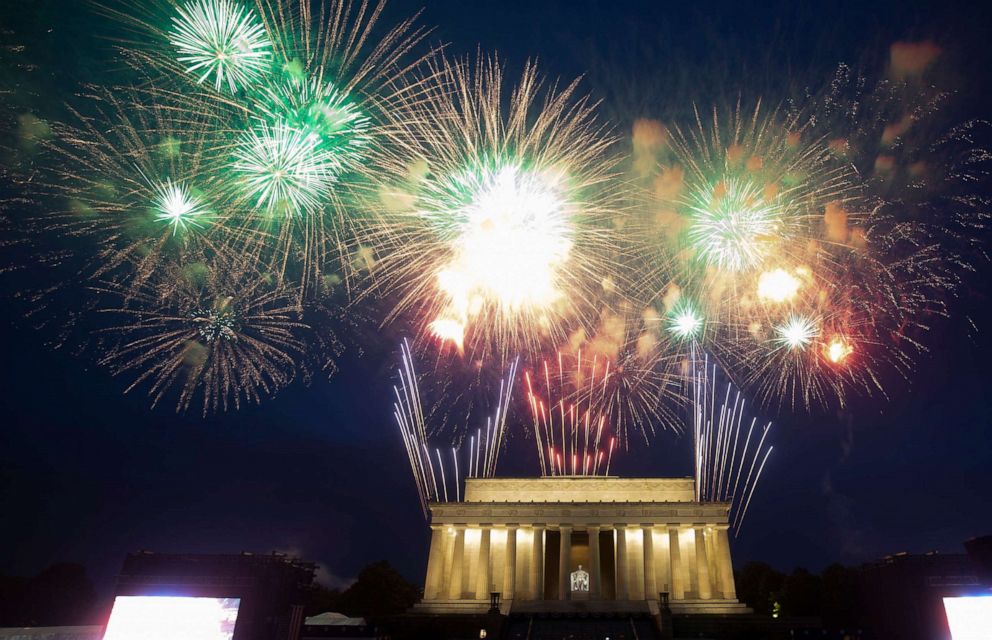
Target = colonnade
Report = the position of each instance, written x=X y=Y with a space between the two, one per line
x=690 y=562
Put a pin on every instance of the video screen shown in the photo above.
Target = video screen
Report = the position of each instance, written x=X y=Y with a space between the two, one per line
x=172 y=618
x=970 y=618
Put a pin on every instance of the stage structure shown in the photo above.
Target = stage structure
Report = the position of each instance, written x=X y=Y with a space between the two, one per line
x=598 y=544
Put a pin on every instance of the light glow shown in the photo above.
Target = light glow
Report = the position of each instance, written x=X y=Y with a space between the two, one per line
x=778 y=285
x=511 y=241
x=176 y=206
x=969 y=617
x=172 y=618
x=684 y=321
x=838 y=349
x=449 y=330
x=797 y=333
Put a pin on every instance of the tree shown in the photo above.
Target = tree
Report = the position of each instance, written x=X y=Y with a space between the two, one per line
x=801 y=594
x=59 y=595
x=321 y=599
x=758 y=585
x=379 y=591
x=840 y=604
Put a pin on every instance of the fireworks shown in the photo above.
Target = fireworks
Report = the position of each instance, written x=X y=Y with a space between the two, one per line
x=278 y=156
x=796 y=333
x=727 y=469
x=684 y=321
x=136 y=181
x=501 y=243
x=481 y=455
x=626 y=373
x=767 y=257
x=735 y=223
x=778 y=286
x=222 y=41
x=838 y=349
x=321 y=109
x=299 y=93
x=284 y=171
x=511 y=239
x=585 y=445
x=214 y=331
x=177 y=207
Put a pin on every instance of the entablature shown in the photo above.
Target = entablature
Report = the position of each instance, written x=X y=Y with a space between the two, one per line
x=580 y=515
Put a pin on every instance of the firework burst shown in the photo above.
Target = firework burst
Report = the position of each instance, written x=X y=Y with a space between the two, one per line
x=223 y=41
x=216 y=331
x=136 y=180
x=176 y=206
x=283 y=171
x=499 y=215
x=758 y=273
x=300 y=95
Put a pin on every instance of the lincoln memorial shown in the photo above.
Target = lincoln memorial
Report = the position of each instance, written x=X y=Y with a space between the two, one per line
x=580 y=543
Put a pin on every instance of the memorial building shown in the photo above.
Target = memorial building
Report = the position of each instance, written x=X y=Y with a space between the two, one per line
x=560 y=544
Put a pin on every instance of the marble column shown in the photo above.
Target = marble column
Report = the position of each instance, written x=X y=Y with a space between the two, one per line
x=564 y=561
x=705 y=590
x=727 y=587
x=456 y=584
x=621 y=564
x=650 y=571
x=510 y=563
x=435 y=564
x=482 y=583
x=675 y=564
x=537 y=566
x=595 y=570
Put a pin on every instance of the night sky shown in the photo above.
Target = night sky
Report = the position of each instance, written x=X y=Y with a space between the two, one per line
x=88 y=474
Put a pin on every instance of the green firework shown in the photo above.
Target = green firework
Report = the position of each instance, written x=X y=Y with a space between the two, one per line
x=320 y=108
x=285 y=170
x=222 y=41
x=733 y=224
x=219 y=322
x=176 y=206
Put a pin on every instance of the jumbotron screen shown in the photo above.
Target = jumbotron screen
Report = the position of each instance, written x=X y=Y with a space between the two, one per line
x=969 y=618
x=172 y=618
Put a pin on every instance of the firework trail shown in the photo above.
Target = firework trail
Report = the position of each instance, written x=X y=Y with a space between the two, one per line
x=727 y=467
x=480 y=452
x=584 y=445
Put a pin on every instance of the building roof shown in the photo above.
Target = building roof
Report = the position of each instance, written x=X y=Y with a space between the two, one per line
x=334 y=619
x=579 y=489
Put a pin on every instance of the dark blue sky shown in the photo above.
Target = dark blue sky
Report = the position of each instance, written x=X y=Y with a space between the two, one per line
x=87 y=474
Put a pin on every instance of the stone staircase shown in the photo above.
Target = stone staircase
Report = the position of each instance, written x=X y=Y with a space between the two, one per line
x=589 y=627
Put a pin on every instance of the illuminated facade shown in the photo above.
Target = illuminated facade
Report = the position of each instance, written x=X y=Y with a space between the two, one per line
x=526 y=539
